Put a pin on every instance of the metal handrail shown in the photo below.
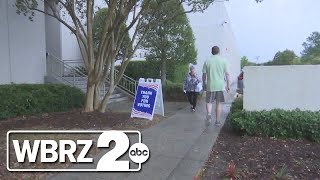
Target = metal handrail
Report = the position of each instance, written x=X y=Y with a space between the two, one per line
x=126 y=83
x=56 y=68
x=67 y=66
x=116 y=71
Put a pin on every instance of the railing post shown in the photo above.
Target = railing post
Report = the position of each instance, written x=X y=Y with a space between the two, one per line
x=51 y=68
x=63 y=68
x=74 y=79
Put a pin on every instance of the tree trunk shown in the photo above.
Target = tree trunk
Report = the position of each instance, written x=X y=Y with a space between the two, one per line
x=97 y=94
x=163 y=72
x=89 y=98
x=103 y=104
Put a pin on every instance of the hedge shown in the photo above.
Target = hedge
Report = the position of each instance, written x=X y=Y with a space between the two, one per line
x=275 y=123
x=174 y=92
x=176 y=72
x=32 y=99
x=143 y=69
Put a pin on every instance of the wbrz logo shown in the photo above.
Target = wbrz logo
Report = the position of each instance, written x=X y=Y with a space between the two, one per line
x=23 y=150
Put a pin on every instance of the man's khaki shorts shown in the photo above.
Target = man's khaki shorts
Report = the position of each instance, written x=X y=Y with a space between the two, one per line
x=214 y=96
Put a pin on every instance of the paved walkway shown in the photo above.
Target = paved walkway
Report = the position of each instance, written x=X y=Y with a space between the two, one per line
x=179 y=146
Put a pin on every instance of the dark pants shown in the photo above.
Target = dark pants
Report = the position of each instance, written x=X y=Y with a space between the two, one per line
x=192 y=98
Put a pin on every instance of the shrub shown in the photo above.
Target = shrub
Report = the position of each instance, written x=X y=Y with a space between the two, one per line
x=174 y=92
x=176 y=72
x=31 y=99
x=142 y=69
x=237 y=105
x=275 y=123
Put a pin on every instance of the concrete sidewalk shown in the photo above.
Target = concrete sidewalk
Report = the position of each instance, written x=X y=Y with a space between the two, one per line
x=179 y=147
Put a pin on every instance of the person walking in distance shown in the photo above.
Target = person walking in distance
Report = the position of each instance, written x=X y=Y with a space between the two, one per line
x=215 y=70
x=190 y=87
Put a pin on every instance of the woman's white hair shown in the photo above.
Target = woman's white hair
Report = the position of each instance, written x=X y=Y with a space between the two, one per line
x=191 y=67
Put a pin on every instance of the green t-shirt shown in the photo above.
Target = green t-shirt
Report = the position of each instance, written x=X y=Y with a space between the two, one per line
x=215 y=69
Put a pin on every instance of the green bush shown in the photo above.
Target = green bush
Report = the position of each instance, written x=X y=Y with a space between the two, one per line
x=31 y=99
x=142 y=69
x=176 y=72
x=174 y=92
x=276 y=123
x=237 y=105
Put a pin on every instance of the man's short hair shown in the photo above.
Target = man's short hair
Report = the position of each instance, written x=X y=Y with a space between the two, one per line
x=215 y=50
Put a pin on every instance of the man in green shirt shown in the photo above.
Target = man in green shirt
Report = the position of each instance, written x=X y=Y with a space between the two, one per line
x=215 y=70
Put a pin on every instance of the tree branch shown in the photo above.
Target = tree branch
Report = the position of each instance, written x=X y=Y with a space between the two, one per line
x=54 y=16
x=74 y=31
x=74 y=17
x=111 y=8
x=90 y=5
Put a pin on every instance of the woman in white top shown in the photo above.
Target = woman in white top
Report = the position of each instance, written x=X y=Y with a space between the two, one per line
x=191 y=87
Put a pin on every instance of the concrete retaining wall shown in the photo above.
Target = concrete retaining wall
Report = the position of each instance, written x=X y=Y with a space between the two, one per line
x=282 y=87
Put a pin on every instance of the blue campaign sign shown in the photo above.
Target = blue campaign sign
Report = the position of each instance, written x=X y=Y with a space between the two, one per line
x=145 y=99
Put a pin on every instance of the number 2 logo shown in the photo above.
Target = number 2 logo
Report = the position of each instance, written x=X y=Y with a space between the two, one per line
x=109 y=162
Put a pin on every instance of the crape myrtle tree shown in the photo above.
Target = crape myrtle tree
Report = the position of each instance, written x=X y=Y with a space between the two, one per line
x=100 y=61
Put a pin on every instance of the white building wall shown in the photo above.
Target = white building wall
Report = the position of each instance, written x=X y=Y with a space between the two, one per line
x=53 y=35
x=22 y=46
x=70 y=50
x=5 y=76
x=215 y=33
x=282 y=87
x=69 y=45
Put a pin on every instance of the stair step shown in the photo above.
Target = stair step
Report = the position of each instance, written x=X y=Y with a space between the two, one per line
x=75 y=78
x=81 y=83
x=116 y=96
x=117 y=100
x=113 y=96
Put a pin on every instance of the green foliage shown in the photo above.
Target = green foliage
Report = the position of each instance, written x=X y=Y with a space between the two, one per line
x=98 y=28
x=282 y=173
x=297 y=61
x=275 y=123
x=143 y=69
x=173 y=92
x=177 y=72
x=237 y=105
x=245 y=62
x=151 y=69
x=312 y=45
x=31 y=99
x=311 y=52
x=171 y=41
x=286 y=57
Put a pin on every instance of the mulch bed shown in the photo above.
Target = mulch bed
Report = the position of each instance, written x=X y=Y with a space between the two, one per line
x=262 y=158
x=73 y=120
x=65 y=120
